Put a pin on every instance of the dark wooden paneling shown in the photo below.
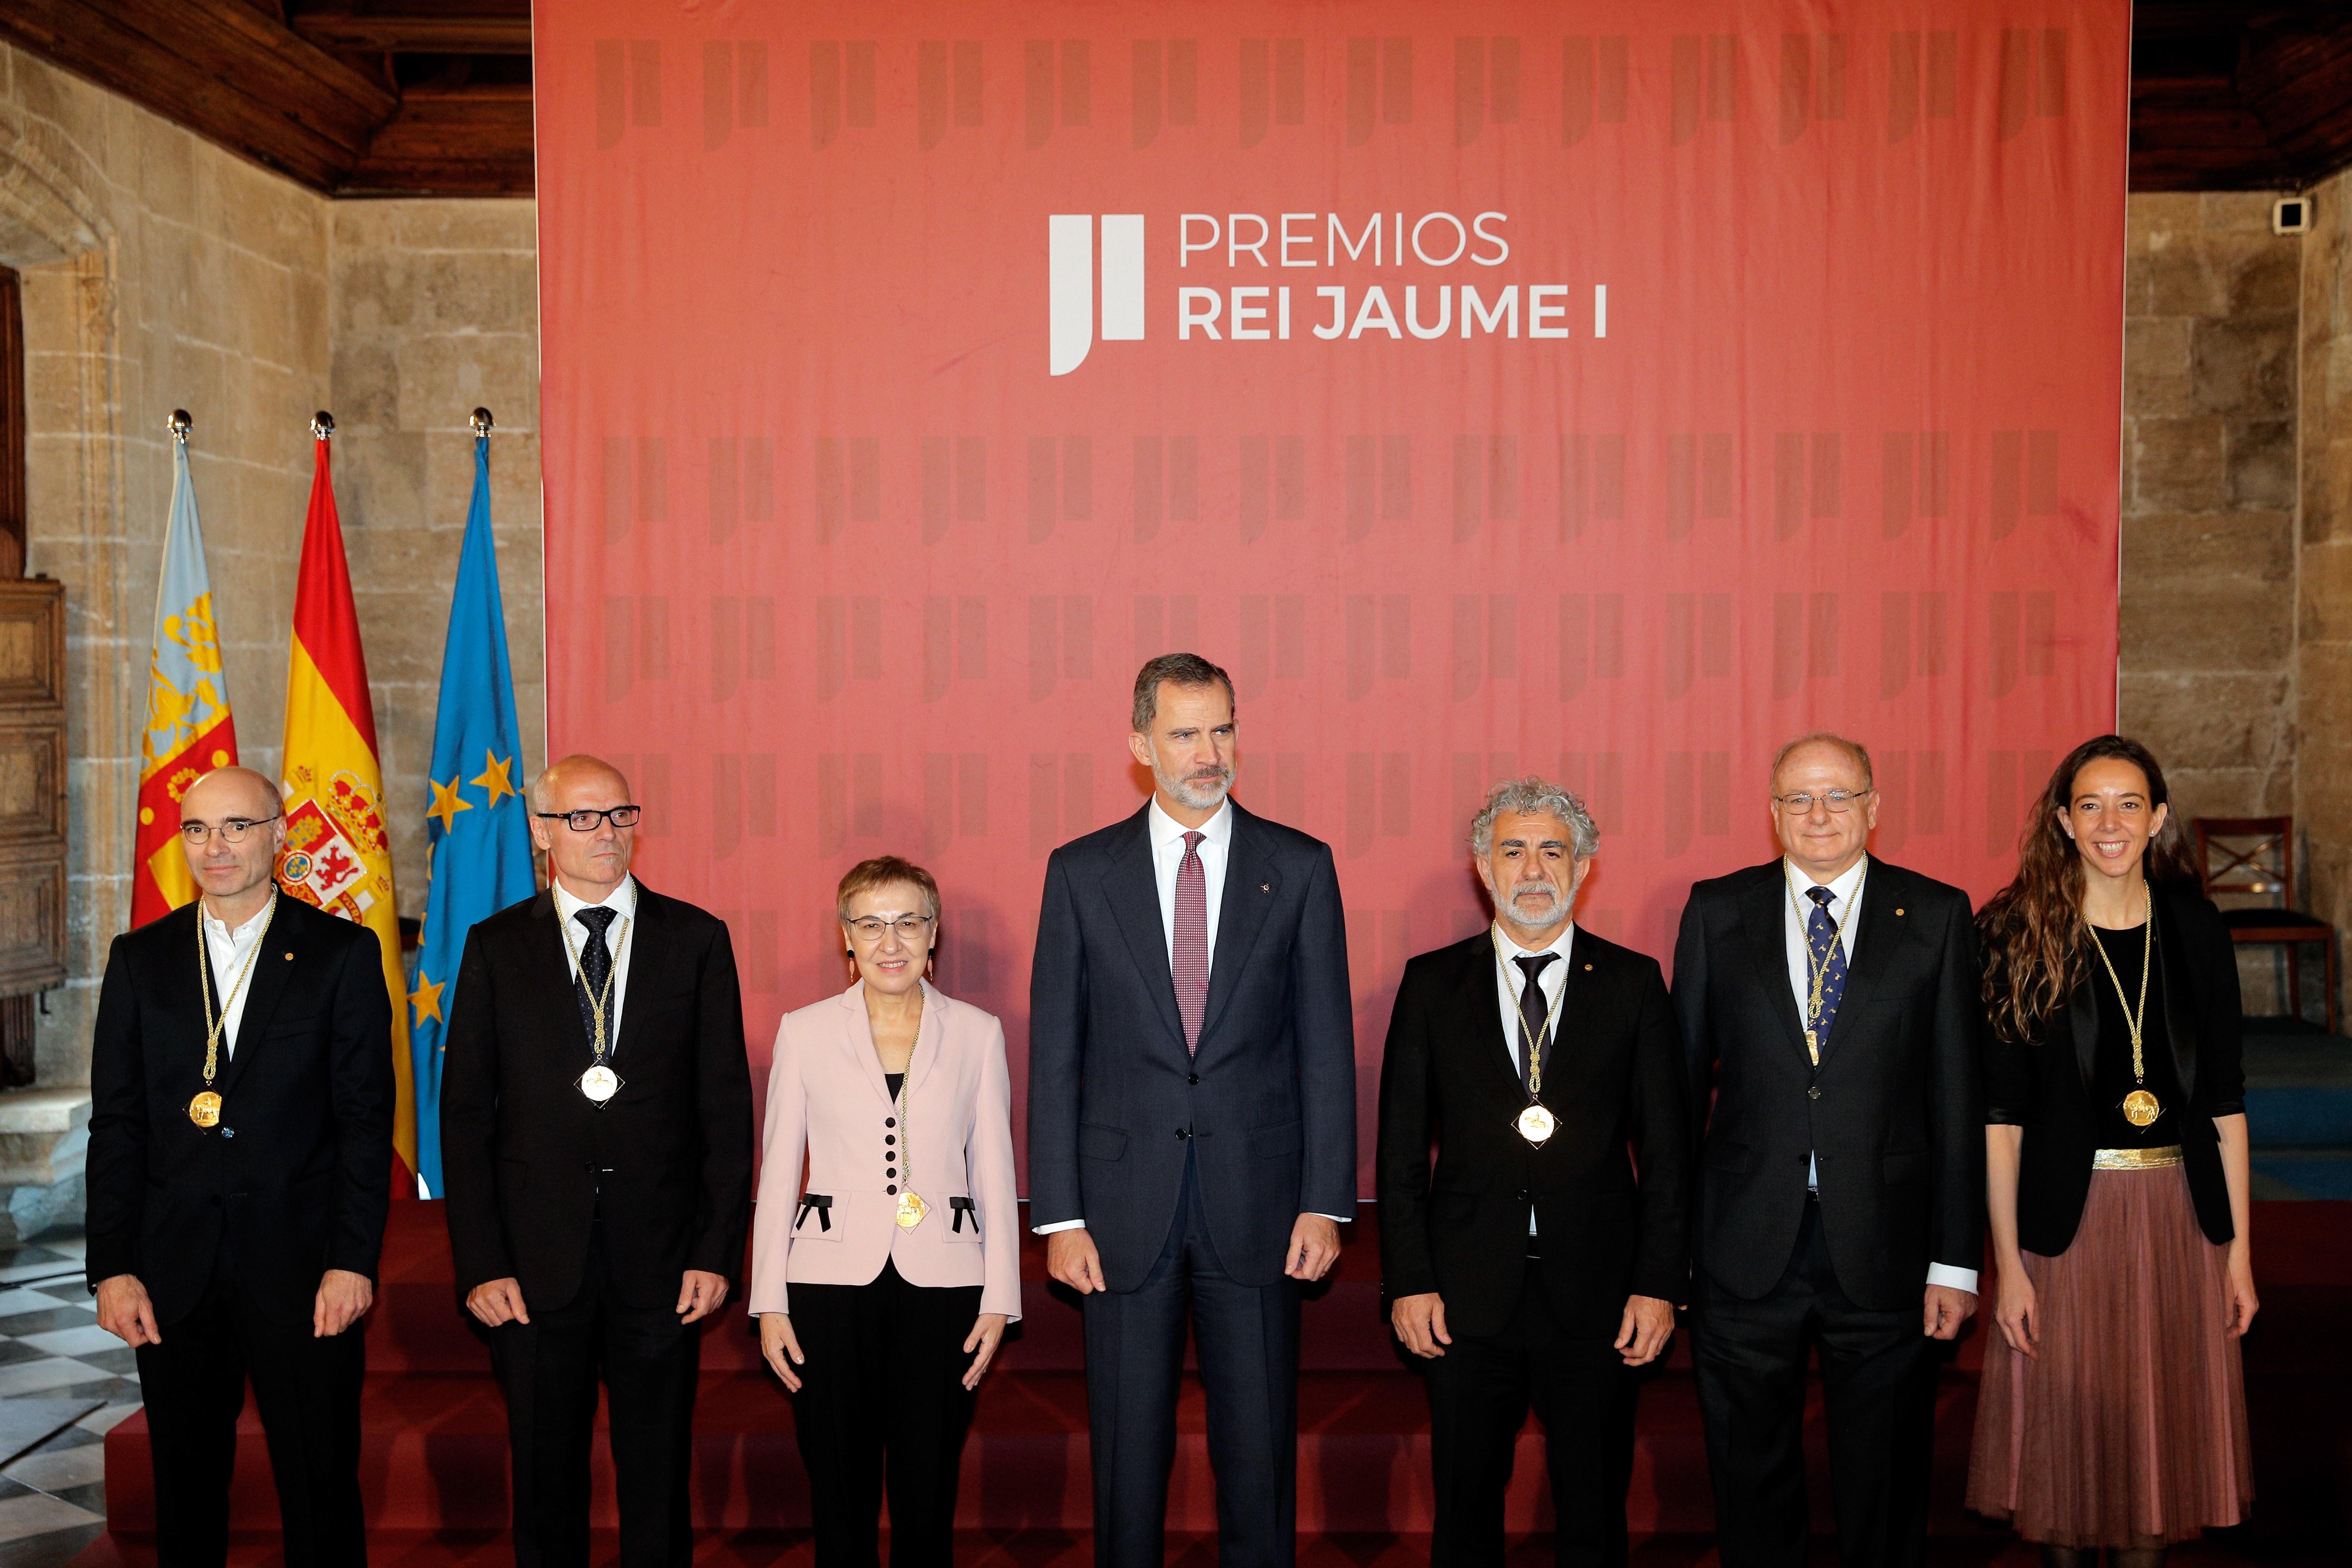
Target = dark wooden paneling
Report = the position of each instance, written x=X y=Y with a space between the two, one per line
x=471 y=142
x=409 y=34
x=12 y=425
x=33 y=797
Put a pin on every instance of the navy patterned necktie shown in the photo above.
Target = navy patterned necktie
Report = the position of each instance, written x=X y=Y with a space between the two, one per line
x=1531 y=1013
x=1828 y=957
x=595 y=969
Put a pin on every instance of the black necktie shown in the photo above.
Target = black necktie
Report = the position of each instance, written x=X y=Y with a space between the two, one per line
x=1531 y=1013
x=595 y=969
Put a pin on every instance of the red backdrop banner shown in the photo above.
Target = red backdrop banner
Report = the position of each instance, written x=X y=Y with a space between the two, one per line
x=1606 y=392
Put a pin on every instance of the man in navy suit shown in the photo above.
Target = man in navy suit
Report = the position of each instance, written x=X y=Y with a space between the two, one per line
x=1191 y=1119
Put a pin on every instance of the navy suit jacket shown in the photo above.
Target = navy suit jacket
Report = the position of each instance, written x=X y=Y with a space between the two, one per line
x=1267 y=1105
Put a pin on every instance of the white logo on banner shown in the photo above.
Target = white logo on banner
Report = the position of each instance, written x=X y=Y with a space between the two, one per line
x=1070 y=284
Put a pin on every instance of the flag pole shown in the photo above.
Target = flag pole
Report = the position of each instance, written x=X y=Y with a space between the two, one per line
x=481 y=421
x=179 y=424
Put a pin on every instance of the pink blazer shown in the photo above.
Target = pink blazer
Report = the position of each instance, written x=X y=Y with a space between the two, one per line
x=827 y=1099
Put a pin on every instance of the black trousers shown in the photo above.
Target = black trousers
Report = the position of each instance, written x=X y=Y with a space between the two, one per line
x=548 y=1368
x=1479 y=1392
x=882 y=1395
x=1878 y=1385
x=1247 y=1337
x=308 y=1390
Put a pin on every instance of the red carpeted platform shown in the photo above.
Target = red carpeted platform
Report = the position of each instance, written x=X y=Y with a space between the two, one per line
x=434 y=1464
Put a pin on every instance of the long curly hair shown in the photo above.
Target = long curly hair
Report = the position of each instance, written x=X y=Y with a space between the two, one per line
x=2031 y=931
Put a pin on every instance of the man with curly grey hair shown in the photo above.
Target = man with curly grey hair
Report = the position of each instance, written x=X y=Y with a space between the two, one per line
x=1542 y=1258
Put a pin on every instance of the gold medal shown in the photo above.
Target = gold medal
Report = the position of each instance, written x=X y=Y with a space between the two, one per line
x=2140 y=1108
x=600 y=1083
x=1536 y=1124
x=911 y=1210
x=205 y=1109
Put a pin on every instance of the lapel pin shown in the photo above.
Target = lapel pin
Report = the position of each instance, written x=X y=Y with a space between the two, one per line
x=1588 y=969
x=1898 y=915
x=1265 y=887
x=290 y=957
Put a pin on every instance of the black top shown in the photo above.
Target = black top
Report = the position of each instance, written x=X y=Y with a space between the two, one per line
x=2110 y=1067
x=2064 y=1087
x=894 y=1080
x=1610 y=1188
x=1895 y=1113
x=293 y=1181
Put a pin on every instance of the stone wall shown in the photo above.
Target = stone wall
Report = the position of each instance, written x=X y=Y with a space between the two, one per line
x=162 y=272
x=159 y=272
x=2324 y=627
x=434 y=311
x=2208 y=664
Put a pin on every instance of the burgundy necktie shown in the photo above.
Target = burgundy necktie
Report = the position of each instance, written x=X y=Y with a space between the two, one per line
x=1190 y=960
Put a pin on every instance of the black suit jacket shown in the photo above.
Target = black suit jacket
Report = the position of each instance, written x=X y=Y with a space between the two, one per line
x=1269 y=1103
x=1608 y=1189
x=297 y=1178
x=1896 y=1113
x=2044 y=1087
x=523 y=1152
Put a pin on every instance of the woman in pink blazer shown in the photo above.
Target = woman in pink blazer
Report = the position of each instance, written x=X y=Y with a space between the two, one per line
x=900 y=1255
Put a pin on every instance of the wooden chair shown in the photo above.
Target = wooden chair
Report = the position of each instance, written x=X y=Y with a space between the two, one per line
x=2255 y=856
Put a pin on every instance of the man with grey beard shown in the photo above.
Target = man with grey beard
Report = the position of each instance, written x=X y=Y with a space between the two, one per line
x=1542 y=1259
x=1191 y=1119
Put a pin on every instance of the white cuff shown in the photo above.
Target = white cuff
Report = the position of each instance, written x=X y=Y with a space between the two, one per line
x=1057 y=1225
x=1953 y=1279
x=1334 y=1219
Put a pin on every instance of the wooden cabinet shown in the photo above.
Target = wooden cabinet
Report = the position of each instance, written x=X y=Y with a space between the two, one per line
x=32 y=810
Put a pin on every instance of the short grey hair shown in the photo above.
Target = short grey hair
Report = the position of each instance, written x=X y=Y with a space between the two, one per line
x=1854 y=749
x=1533 y=796
x=1178 y=669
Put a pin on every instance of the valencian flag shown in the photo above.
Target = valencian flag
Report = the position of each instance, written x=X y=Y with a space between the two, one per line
x=337 y=854
x=190 y=730
x=477 y=835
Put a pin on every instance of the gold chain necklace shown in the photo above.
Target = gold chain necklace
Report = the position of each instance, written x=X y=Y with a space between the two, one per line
x=2141 y=1108
x=911 y=1207
x=205 y=1109
x=600 y=1083
x=1820 y=972
x=1535 y=1123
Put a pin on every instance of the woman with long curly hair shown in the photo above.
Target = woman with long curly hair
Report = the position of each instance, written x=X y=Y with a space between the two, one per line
x=2113 y=1410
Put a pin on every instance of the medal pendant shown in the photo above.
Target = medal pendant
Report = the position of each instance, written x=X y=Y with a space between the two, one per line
x=205 y=1109
x=1536 y=1124
x=599 y=1084
x=2141 y=1108
x=911 y=1210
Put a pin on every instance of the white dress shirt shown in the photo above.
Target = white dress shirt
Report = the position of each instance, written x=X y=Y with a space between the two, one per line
x=228 y=949
x=1167 y=836
x=1846 y=907
x=1510 y=981
x=618 y=937
x=1168 y=853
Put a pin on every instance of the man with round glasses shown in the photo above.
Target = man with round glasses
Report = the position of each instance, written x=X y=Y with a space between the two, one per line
x=1828 y=1007
x=596 y=1140
x=239 y=1172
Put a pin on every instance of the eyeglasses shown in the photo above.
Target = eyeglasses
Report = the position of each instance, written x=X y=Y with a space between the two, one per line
x=587 y=821
x=869 y=928
x=232 y=829
x=1837 y=800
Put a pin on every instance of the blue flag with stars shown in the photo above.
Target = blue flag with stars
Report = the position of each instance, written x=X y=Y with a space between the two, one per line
x=476 y=832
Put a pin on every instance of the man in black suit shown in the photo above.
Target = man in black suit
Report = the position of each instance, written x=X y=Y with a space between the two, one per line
x=1191 y=1119
x=1828 y=1002
x=237 y=1211
x=596 y=1138
x=1547 y=1254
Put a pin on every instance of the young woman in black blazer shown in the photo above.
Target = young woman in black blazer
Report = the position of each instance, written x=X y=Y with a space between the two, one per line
x=2113 y=1410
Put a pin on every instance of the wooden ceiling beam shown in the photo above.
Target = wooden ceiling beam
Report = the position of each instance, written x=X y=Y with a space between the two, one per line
x=416 y=35
x=221 y=69
x=2299 y=85
x=450 y=142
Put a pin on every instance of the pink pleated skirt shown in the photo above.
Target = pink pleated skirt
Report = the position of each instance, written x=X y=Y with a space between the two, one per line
x=2130 y=1428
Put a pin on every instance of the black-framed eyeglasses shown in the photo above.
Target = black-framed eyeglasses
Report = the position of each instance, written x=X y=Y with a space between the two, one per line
x=232 y=829
x=869 y=928
x=1837 y=800
x=587 y=821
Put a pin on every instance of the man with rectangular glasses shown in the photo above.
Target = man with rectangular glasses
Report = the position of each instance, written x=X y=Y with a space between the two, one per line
x=1828 y=1007
x=596 y=1140
x=239 y=1170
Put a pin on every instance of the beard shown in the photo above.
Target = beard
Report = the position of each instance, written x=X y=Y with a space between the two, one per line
x=1199 y=791
x=1535 y=918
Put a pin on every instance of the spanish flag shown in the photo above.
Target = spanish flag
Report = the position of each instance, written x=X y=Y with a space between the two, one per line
x=337 y=856
x=189 y=729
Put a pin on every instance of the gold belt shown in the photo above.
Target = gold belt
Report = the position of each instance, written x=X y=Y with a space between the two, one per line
x=2135 y=1159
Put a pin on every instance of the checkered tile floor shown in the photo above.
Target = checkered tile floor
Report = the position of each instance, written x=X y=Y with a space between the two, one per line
x=64 y=1382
